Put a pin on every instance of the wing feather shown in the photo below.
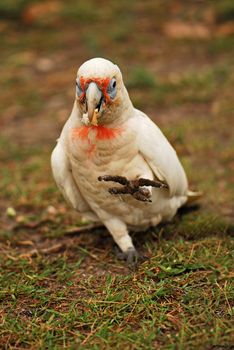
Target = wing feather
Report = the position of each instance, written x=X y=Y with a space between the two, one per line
x=64 y=179
x=160 y=155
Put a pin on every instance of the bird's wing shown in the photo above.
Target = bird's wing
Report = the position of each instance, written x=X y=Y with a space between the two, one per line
x=62 y=173
x=160 y=155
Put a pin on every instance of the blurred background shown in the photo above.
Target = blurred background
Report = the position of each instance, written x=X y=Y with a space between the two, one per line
x=63 y=288
x=177 y=62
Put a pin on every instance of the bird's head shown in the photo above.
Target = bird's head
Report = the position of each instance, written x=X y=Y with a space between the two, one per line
x=99 y=91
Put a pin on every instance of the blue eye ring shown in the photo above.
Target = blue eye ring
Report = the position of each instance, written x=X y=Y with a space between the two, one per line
x=113 y=83
x=112 y=88
x=79 y=90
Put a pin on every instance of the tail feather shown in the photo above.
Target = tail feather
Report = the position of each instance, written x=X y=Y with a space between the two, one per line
x=193 y=196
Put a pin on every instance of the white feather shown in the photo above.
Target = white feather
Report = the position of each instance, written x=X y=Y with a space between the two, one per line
x=140 y=150
x=63 y=176
x=159 y=154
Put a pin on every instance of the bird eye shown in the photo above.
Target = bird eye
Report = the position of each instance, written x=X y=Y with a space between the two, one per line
x=112 y=88
x=79 y=90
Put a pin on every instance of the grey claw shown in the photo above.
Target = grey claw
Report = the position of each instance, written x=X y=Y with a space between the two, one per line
x=130 y=256
x=153 y=183
x=143 y=195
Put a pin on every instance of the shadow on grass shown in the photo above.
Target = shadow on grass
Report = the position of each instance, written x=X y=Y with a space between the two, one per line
x=189 y=224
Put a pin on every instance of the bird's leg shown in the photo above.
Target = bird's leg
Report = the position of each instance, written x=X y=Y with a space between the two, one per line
x=119 y=232
x=137 y=188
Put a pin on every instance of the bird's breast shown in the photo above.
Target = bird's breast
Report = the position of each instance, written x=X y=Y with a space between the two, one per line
x=97 y=143
x=95 y=152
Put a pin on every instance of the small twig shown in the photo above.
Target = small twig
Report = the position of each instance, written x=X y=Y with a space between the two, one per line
x=27 y=243
x=84 y=228
x=30 y=225
x=89 y=253
x=133 y=308
x=92 y=330
x=55 y=248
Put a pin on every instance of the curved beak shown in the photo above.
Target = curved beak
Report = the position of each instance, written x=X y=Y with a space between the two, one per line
x=93 y=100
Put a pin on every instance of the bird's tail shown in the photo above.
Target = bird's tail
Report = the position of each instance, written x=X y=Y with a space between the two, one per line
x=193 y=196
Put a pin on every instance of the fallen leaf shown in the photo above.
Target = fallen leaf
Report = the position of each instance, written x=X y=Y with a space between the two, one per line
x=44 y=64
x=51 y=210
x=187 y=30
x=226 y=29
x=11 y=212
x=34 y=12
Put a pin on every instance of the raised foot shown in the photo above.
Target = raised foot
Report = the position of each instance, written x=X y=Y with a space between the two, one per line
x=137 y=188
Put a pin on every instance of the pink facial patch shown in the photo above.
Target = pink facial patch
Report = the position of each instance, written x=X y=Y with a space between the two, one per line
x=101 y=83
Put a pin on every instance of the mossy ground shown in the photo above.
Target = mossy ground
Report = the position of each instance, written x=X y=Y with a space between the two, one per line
x=65 y=290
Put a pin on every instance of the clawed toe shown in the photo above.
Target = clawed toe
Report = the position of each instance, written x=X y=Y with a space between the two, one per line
x=137 y=188
x=152 y=183
x=122 y=180
x=131 y=256
x=143 y=195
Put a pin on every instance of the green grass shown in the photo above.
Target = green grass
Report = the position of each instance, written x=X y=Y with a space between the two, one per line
x=182 y=295
x=193 y=86
x=65 y=290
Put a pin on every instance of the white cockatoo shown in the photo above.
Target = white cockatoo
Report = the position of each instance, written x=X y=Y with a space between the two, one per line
x=107 y=139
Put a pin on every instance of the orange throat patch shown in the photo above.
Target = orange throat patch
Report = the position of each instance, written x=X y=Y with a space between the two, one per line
x=102 y=133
